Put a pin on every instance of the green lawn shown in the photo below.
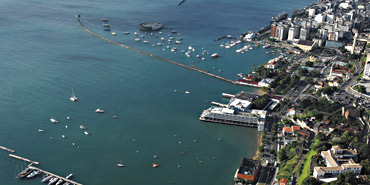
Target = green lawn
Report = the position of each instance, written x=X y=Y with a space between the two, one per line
x=306 y=167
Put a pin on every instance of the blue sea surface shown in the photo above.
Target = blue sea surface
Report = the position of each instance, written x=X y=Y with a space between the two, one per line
x=44 y=53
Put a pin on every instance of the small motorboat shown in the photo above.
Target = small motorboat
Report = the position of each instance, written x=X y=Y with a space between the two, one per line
x=73 y=97
x=155 y=157
x=41 y=130
x=33 y=174
x=53 y=180
x=86 y=133
x=46 y=178
x=187 y=92
x=146 y=42
x=68 y=117
x=53 y=120
x=99 y=111
x=115 y=117
x=69 y=176
x=59 y=182
x=114 y=33
x=82 y=127
x=155 y=165
x=63 y=136
x=214 y=55
x=120 y=164
x=137 y=39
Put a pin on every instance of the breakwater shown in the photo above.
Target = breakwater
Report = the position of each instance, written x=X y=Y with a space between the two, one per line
x=156 y=56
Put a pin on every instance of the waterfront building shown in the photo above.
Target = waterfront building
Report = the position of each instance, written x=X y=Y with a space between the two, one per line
x=237 y=112
x=248 y=170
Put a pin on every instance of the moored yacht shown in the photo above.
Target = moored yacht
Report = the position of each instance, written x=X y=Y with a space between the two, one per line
x=73 y=97
x=34 y=173
x=46 y=178
x=59 y=182
x=99 y=111
x=53 y=180
x=69 y=176
x=86 y=133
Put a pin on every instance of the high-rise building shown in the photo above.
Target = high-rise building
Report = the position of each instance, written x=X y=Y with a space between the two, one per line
x=293 y=33
x=282 y=32
x=303 y=34
x=273 y=30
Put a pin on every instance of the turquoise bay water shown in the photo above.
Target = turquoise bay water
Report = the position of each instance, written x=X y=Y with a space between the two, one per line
x=44 y=53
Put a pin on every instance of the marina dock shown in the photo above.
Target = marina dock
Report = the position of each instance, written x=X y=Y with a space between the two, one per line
x=156 y=56
x=24 y=159
x=7 y=149
x=225 y=37
x=57 y=176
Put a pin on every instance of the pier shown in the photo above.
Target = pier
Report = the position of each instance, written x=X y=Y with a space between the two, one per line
x=225 y=37
x=156 y=56
x=54 y=175
x=24 y=159
x=7 y=149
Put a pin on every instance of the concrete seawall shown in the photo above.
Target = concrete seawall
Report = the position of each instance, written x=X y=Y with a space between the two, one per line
x=158 y=57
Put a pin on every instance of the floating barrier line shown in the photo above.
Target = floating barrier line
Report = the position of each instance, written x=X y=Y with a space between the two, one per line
x=155 y=56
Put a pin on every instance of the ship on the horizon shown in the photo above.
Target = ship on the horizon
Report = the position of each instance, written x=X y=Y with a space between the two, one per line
x=279 y=17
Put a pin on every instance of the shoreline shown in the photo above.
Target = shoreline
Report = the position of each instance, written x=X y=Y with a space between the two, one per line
x=257 y=153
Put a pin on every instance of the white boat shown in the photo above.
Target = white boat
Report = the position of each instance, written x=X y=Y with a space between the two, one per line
x=67 y=183
x=214 y=55
x=41 y=130
x=86 y=133
x=114 y=33
x=159 y=44
x=119 y=164
x=46 y=178
x=63 y=136
x=222 y=46
x=146 y=42
x=69 y=176
x=203 y=59
x=227 y=46
x=137 y=39
x=53 y=120
x=73 y=97
x=187 y=92
x=59 y=182
x=162 y=38
x=99 y=111
x=82 y=127
x=53 y=180
x=197 y=56
x=178 y=42
x=135 y=33
x=68 y=117
x=34 y=173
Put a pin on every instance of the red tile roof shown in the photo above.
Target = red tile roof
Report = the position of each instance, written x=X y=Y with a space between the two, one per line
x=296 y=127
x=288 y=129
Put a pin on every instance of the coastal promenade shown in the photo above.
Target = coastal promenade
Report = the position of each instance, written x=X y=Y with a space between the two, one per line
x=156 y=56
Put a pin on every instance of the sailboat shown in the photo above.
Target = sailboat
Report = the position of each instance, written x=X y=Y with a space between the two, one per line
x=120 y=164
x=73 y=97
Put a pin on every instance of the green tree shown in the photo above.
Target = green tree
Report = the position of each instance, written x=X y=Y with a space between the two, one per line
x=310 y=181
